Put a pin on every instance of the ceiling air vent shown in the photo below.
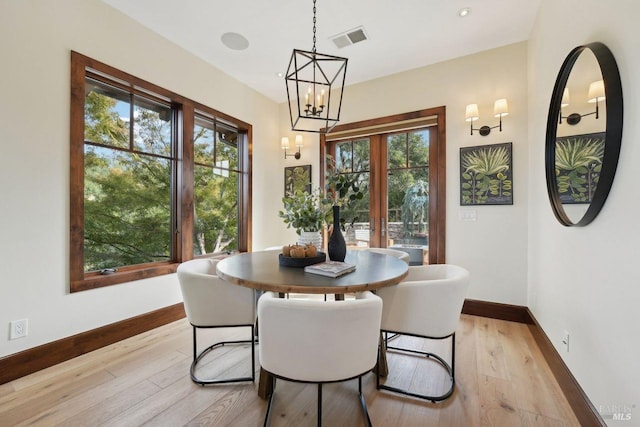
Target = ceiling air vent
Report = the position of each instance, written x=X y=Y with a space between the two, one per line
x=350 y=37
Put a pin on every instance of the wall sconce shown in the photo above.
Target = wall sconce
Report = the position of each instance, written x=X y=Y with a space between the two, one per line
x=284 y=144
x=500 y=109
x=594 y=96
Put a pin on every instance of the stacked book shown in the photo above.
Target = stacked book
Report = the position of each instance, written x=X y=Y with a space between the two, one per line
x=330 y=268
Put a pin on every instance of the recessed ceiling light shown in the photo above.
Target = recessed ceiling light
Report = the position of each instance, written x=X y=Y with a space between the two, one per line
x=464 y=12
x=234 y=41
x=280 y=74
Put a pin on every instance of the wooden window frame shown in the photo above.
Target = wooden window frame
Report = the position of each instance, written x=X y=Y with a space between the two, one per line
x=182 y=184
x=437 y=165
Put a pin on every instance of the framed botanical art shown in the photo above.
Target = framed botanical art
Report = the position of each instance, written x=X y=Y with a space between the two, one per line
x=486 y=175
x=578 y=166
x=297 y=178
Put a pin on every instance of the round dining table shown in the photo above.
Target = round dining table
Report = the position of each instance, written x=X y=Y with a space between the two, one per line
x=262 y=271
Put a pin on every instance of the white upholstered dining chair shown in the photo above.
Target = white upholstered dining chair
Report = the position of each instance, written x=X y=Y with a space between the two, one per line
x=319 y=342
x=427 y=304
x=393 y=252
x=211 y=302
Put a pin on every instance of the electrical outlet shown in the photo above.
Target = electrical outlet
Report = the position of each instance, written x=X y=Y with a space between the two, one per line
x=565 y=341
x=467 y=215
x=18 y=329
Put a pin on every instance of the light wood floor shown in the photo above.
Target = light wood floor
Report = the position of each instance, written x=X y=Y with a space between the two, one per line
x=501 y=380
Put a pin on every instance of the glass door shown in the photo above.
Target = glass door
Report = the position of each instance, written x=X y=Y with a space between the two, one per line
x=405 y=211
x=400 y=162
x=393 y=170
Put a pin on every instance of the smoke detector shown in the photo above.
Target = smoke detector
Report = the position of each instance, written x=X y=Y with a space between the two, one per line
x=350 y=37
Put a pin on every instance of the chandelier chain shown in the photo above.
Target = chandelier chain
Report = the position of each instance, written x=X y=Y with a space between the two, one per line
x=314 y=26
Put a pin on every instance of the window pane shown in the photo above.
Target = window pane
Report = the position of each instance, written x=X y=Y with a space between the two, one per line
x=397 y=151
x=408 y=206
x=226 y=148
x=203 y=141
x=419 y=148
x=127 y=208
x=357 y=213
x=215 y=227
x=344 y=156
x=106 y=115
x=152 y=127
x=361 y=155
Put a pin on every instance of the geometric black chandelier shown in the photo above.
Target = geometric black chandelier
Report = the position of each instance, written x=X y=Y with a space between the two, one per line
x=315 y=84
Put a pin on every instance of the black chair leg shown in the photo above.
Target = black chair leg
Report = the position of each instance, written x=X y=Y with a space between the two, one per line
x=448 y=367
x=453 y=358
x=268 y=415
x=198 y=357
x=319 y=404
x=195 y=343
x=363 y=403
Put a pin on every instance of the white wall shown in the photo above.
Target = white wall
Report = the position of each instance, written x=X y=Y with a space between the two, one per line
x=36 y=37
x=581 y=280
x=493 y=248
x=584 y=280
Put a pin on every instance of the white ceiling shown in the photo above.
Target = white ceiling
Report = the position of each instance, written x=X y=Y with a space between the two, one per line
x=403 y=34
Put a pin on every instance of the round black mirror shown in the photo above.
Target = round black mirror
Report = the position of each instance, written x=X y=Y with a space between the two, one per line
x=584 y=131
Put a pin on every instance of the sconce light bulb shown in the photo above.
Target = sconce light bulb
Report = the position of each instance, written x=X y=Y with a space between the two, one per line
x=471 y=113
x=500 y=108
x=596 y=92
x=565 y=98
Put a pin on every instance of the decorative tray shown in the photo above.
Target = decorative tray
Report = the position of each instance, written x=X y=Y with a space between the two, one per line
x=286 y=261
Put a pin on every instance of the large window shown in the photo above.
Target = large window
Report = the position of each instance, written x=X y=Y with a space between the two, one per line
x=156 y=179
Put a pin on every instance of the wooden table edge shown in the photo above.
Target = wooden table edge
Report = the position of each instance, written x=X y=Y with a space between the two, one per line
x=302 y=289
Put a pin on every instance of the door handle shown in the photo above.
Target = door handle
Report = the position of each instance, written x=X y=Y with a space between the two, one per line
x=372 y=225
x=383 y=229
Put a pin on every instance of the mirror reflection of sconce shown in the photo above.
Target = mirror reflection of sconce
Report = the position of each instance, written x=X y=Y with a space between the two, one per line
x=284 y=144
x=595 y=96
x=500 y=109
